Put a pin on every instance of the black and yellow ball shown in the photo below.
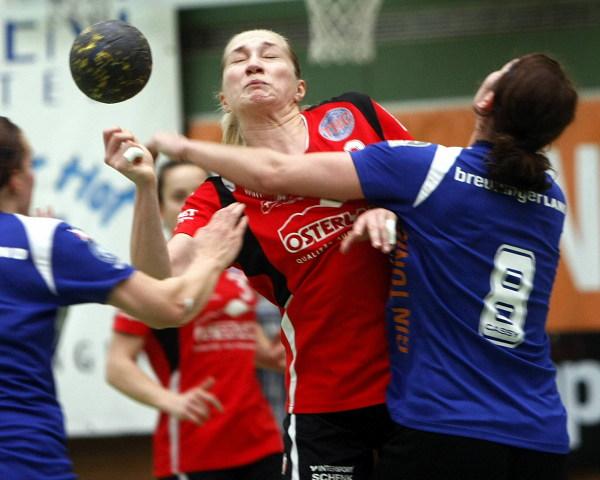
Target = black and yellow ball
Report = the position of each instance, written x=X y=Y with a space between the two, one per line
x=110 y=61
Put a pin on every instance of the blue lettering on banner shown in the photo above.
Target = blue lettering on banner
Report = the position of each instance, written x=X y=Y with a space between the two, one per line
x=11 y=29
x=98 y=195
x=5 y=85
x=17 y=54
x=38 y=162
x=49 y=88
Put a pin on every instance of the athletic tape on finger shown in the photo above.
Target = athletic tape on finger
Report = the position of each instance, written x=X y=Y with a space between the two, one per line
x=132 y=153
x=390 y=226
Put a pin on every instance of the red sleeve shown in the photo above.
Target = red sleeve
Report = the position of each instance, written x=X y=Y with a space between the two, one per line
x=198 y=209
x=125 y=324
x=391 y=126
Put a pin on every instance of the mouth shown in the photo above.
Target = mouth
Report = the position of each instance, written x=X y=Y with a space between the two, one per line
x=255 y=83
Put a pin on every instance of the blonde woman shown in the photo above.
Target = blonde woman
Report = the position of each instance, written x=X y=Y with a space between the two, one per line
x=332 y=304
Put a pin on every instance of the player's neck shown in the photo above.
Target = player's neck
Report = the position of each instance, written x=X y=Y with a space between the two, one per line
x=7 y=201
x=285 y=133
x=483 y=130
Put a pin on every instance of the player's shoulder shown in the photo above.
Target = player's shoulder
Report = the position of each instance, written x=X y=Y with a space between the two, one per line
x=417 y=148
x=39 y=229
x=421 y=155
x=213 y=188
x=38 y=222
x=220 y=185
x=358 y=99
x=343 y=113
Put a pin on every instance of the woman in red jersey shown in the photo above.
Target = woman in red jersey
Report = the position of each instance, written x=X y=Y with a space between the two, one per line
x=215 y=423
x=332 y=304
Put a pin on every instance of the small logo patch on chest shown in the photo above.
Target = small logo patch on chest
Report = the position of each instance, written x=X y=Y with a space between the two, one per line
x=337 y=124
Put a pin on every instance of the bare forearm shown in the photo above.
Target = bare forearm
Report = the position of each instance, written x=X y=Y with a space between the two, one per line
x=127 y=377
x=148 y=245
x=269 y=353
x=232 y=163
x=321 y=175
x=176 y=300
x=171 y=302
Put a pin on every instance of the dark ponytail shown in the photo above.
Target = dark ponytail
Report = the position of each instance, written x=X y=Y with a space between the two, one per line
x=517 y=165
x=12 y=150
x=533 y=103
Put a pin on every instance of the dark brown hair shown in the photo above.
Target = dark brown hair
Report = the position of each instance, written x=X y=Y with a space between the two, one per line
x=162 y=173
x=533 y=103
x=12 y=150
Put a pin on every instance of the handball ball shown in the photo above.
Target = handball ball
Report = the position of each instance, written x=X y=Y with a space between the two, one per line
x=110 y=61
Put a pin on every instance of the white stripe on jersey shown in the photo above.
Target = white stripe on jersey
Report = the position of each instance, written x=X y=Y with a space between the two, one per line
x=443 y=159
x=290 y=335
x=40 y=234
x=294 y=457
x=174 y=428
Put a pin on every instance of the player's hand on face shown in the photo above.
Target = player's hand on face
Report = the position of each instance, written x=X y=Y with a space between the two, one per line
x=196 y=404
x=170 y=144
x=378 y=225
x=222 y=237
x=117 y=154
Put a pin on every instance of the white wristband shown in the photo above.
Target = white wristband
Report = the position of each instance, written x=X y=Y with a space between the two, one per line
x=132 y=153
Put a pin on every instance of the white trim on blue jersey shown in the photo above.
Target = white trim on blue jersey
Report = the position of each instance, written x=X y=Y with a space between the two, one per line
x=442 y=161
x=470 y=288
x=40 y=234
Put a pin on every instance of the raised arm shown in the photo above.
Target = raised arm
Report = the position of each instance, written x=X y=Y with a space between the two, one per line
x=148 y=247
x=323 y=175
x=175 y=301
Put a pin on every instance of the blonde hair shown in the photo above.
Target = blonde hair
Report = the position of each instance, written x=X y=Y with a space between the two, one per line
x=230 y=128
x=229 y=122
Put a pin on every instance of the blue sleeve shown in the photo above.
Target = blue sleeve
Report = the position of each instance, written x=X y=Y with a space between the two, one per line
x=392 y=173
x=83 y=272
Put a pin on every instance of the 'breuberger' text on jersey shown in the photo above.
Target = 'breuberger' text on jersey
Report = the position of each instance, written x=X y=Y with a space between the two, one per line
x=471 y=283
x=333 y=304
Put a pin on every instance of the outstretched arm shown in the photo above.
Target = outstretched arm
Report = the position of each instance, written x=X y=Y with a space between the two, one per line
x=322 y=175
x=174 y=301
x=124 y=373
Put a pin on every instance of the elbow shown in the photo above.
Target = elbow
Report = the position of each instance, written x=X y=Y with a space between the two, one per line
x=108 y=376
x=111 y=373
x=175 y=316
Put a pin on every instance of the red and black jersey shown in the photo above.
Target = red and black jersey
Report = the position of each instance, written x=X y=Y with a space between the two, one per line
x=221 y=343
x=332 y=304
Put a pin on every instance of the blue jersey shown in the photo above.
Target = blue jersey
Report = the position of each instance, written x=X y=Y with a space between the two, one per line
x=472 y=274
x=44 y=264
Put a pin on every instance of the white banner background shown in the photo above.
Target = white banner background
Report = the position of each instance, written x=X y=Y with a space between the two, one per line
x=65 y=130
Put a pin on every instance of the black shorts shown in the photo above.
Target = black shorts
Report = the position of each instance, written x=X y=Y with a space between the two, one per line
x=268 y=468
x=339 y=445
x=418 y=455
